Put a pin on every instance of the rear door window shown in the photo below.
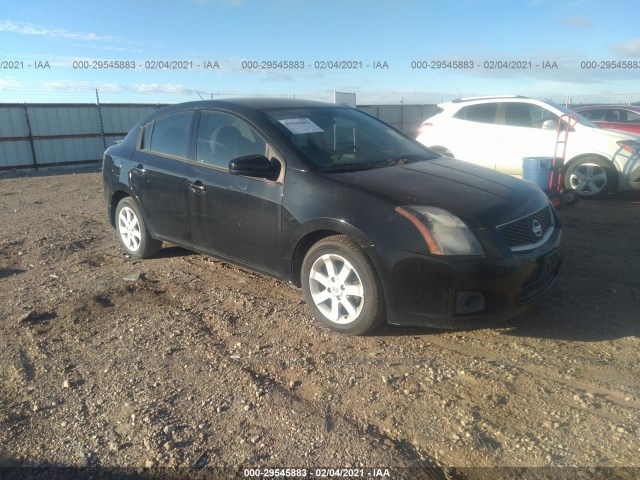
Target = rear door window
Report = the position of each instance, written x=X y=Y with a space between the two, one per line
x=483 y=113
x=168 y=135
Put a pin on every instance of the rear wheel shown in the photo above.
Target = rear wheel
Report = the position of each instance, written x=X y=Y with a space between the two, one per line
x=132 y=232
x=341 y=287
x=590 y=177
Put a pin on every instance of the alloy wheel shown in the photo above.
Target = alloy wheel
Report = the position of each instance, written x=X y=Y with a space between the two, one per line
x=129 y=229
x=588 y=179
x=336 y=288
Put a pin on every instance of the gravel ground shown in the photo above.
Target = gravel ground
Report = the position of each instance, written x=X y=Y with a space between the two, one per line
x=108 y=364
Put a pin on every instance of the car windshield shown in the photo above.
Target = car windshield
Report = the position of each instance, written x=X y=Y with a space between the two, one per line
x=581 y=120
x=341 y=139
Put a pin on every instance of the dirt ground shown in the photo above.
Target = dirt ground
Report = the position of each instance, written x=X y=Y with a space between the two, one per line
x=183 y=361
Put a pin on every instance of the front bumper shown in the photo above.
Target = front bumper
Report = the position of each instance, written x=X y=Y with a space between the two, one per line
x=423 y=290
x=629 y=175
x=632 y=173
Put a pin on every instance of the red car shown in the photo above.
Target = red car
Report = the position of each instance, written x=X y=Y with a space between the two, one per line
x=616 y=117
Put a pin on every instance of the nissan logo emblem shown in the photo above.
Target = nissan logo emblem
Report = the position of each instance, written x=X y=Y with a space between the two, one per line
x=536 y=228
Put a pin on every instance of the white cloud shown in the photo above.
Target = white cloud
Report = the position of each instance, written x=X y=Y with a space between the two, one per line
x=165 y=88
x=579 y=21
x=68 y=85
x=78 y=86
x=9 y=84
x=36 y=30
x=630 y=48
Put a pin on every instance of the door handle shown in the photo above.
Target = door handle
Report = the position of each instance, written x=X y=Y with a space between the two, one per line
x=139 y=170
x=197 y=187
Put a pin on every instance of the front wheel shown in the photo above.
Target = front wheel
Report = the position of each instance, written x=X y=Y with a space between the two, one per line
x=341 y=287
x=590 y=177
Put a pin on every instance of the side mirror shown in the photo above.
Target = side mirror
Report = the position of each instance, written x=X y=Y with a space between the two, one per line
x=257 y=166
x=549 y=125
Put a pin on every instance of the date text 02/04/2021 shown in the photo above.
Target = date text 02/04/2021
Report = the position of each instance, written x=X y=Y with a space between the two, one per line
x=317 y=473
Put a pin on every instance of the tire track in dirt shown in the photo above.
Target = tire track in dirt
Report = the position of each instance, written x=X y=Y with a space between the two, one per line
x=615 y=397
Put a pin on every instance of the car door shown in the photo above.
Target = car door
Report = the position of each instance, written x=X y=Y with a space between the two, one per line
x=621 y=119
x=233 y=216
x=476 y=135
x=157 y=176
x=531 y=132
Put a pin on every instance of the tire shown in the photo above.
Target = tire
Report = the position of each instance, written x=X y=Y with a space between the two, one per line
x=570 y=196
x=341 y=287
x=132 y=231
x=557 y=200
x=590 y=177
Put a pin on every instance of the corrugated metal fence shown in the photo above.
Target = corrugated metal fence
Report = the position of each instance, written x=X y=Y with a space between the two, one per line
x=34 y=136
x=406 y=118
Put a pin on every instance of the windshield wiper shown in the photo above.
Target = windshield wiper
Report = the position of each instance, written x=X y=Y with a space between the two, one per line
x=348 y=167
x=390 y=162
x=401 y=160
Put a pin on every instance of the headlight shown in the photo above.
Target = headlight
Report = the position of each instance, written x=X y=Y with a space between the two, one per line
x=444 y=233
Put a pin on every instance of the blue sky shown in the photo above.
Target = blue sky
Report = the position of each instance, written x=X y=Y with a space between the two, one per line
x=398 y=32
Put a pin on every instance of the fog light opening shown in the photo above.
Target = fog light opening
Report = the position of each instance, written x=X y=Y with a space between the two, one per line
x=469 y=302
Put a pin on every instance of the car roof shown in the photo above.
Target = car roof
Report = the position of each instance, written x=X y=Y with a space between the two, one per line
x=459 y=103
x=247 y=106
x=257 y=103
x=635 y=108
x=488 y=97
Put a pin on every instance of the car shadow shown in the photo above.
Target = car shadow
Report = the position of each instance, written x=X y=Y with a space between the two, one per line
x=174 y=251
x=404 y=331
x=591 y=311
x=595 y=299
x=537 y=322
x=594 y=326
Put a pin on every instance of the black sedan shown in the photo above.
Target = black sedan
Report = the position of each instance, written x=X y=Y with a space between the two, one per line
x=371 y=225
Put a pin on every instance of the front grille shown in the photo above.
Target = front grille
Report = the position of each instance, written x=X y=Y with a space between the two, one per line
x=521 y=234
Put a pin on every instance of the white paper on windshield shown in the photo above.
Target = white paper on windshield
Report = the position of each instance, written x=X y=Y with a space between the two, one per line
x=300 y=126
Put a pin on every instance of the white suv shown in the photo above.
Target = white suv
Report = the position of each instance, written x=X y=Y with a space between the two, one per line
x=498 y=132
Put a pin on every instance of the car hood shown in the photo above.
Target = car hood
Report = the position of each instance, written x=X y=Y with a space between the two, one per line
x=477 y=195
x=615 y=135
